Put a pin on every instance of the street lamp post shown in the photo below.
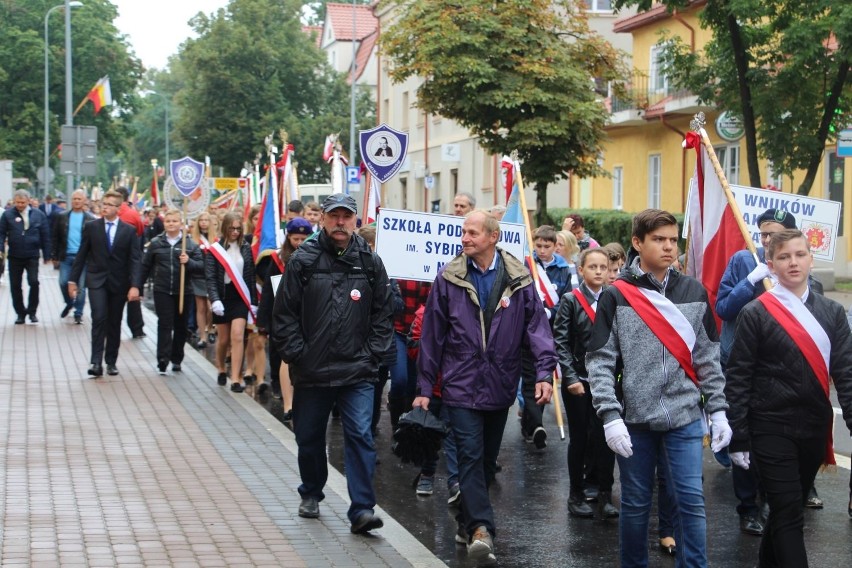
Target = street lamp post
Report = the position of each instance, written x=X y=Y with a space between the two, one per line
x=166 y=107
x=69 y=5
x=69 y=103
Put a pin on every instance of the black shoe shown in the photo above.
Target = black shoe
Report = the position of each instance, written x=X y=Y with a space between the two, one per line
x=454 y=499
x=813 y=501
x=750 y=525
x=606 y=510
x=237 y=387
x=33 y=318
x=96 y=370
x=591 y=494
x=309 y=508
x=66 y=310
x=200 y=344
x=262 y=389
x=139 y=335
x=211 y=338
x=20 y=320
x=78 y=319
x=287 y=416
x=176 y=367
x=249 y=379
x=539 y=438
x=578 y=507
x=162 y=365
x=365 y=522
x=222 y=379
x=112 y=370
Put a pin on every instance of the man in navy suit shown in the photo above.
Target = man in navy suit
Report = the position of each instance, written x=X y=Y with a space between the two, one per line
x=112 y=258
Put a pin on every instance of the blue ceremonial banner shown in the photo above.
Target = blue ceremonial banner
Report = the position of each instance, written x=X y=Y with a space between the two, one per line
x=383 y=150
x=186 y=174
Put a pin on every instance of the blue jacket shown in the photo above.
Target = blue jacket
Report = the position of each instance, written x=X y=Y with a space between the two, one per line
x=478 y=365
x=735 y=291
x=25 y=244
x=559 y=274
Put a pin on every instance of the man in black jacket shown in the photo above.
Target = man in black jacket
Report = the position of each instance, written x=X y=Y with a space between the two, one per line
x=332 y=323
x=788 y=345
x=28 y=233
x=66 y=237
x=111 y=255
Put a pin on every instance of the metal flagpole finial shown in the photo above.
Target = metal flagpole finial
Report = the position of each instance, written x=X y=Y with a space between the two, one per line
x=697 y=122
x=267 y=142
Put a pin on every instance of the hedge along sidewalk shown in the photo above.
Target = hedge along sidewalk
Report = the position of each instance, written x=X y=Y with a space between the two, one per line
x=606 y=225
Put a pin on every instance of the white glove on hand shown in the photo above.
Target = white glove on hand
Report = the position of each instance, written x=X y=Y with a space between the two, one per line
x=218 y=308
x=617 y=438
x=720 y=430
x=254 y=312
x=740 y=459
x=758 y=274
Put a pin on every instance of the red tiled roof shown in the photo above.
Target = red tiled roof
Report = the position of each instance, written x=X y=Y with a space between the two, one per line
x=340 y=16
x=655 y=14
x=658 y=108
x=316 y=31
x=362 y=57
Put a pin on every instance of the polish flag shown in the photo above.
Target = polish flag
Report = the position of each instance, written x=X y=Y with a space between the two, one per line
x=155 y=191
x=374 y=202
x=713 y=232
x=508 y=175
x=328 y=149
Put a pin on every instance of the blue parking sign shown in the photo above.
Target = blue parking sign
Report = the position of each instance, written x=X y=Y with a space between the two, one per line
x=353 y=174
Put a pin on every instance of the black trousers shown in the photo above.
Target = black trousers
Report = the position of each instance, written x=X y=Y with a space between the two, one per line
x=531 y=416
x=16 y=278
x=171 y=325
x=106 y=308
x=787 y=466
x=134 y=317
x=586 y=437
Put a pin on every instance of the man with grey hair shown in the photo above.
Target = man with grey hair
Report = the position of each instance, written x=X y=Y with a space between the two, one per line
x=498 y=211
x=463 y=203
x=27 y=232
x=66 y=237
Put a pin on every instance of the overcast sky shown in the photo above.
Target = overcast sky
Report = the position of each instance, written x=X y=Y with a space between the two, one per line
x=157 y=27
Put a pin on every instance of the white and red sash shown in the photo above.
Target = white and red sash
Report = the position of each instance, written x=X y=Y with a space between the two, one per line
x=808 y=335
x=203 y=243
x=581 y=298
x=665 y=321
x=218 y=251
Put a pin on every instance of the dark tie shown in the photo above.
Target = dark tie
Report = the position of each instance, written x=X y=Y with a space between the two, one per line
x=109 y=236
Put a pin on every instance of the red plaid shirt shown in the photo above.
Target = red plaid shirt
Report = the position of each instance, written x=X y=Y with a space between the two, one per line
x=414 y=294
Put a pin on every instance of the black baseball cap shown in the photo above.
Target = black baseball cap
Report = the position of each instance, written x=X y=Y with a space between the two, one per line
x=338 y=200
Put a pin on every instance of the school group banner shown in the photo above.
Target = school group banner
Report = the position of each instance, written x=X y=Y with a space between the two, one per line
x=414 y=245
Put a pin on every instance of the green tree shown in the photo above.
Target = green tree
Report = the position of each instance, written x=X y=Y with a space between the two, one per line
x=782 y=66
x=98 y=50
x=251 y=72
x=519 y=74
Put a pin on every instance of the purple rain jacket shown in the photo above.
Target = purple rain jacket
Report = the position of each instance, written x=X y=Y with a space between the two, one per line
x=478 y=368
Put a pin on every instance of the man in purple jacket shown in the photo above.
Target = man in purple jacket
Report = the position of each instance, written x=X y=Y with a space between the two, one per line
x=482 y=309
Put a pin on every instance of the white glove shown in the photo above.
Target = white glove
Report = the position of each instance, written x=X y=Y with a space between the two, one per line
x=758 y=274
x=254 y=312
x=720 y=430
x=218 y=308
x=617 y=438
x=740 y=459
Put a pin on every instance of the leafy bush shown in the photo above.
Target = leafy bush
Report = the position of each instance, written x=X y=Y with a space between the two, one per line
x=606 y=225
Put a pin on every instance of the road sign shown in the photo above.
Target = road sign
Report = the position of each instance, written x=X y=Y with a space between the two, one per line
x=79 y=151
x=353 y=174
x=844 y=143
x=228 y=184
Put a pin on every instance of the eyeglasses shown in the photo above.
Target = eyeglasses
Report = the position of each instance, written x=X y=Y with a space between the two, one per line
x=108 y=204
x=766 y=235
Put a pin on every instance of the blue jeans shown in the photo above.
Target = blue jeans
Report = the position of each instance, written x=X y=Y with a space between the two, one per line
x=311 y=409
x=478 y=434
x=679 y=453
x=403 y=375
x=64 y=272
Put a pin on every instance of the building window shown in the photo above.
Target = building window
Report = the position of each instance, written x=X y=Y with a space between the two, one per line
x=406 y=109
x=659 y=83
x=729 y=159
x=599 y=5
x=774 y=180
x=654 y=169
x=618 y=187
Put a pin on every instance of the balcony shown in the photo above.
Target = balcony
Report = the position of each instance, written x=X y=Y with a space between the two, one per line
x=641 y=99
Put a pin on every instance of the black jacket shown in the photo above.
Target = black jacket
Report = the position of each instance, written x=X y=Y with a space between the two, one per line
x=769 y=382
x=572 y=329
x=161 y=260
x=25 y=244
x=59 y=233
x=215 y=274
x=267 y=297
x=329 y=322
x=118 y=269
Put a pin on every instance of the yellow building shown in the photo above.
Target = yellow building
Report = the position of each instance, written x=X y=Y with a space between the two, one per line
x=649 y=167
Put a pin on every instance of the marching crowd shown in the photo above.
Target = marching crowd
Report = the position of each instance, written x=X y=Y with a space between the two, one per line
x=645 y=380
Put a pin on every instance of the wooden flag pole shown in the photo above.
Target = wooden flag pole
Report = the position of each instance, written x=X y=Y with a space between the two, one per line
x=534 y=270
x=697 y=125
x=182 y=252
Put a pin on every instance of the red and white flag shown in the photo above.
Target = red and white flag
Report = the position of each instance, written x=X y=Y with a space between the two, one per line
x=155 y=191
x=374 y=202
x=714 y=235
x=328 y=149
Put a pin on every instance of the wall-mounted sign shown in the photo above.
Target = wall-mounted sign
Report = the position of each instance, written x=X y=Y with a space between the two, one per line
x=729 y=127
